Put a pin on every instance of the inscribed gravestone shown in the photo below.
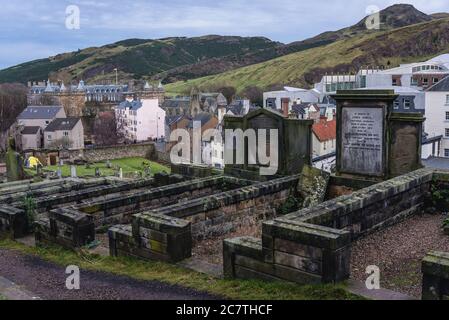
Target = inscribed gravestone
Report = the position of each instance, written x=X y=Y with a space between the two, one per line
x=362 y=141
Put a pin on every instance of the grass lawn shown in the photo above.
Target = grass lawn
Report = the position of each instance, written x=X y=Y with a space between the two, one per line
x=168 y=273
x=2 y=298
x=129 y=165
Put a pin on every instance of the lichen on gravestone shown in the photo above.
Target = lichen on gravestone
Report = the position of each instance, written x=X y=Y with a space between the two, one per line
x=312 y=186
x=14 y=163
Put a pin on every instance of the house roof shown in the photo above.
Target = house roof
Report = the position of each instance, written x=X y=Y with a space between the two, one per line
x=169 y=120
x=202 y=117
x=440 y=86
x=30 y=130
x=39 y=112
x=133 y=105
x=325 y=130
x=62 y=124
x=176 y=103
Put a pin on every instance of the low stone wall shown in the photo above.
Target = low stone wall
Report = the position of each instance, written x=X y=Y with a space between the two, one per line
x=98 y=154
x=68 y=228
x=152 y=237
x=194 y=171
x=220 y=213
x=119 y=209
x=199 y=218
x=435 y=269
x=13 y=222
x=314 y=244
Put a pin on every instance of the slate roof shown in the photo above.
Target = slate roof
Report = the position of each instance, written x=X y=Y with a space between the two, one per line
x=437 y=163
x=62 y=124
x=441 y=86
x=236 y=107
x=176 y=103
x=169 y=120
x=133 y=105
x=325 y=130
x=203 y=117
x=39 y=112
x=30 y=130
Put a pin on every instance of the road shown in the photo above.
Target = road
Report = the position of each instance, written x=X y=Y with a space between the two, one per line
x=32 y=276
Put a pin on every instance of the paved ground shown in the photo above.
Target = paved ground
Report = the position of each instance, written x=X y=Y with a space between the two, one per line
x=398 y=252
x=47 y=281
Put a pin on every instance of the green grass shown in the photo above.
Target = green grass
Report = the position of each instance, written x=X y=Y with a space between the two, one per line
x=297 y=69
x=2 y=298
x=129 y=165
x=171 y=274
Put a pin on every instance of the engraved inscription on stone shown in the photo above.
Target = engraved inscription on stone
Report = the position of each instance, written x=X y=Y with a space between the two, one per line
x=362 y=141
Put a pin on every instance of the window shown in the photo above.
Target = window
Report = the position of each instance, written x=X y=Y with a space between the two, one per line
x=47 y=122
x=395 y=82
x=447 y=99
x=49 y=137
x=325 y=145
x=396 y=105
x=425 y=81
x=447 y=132
x=407 y=103
x=414 y=82
x=446 y=153
x=435 y=80
x=65 y=134
x=447 y=116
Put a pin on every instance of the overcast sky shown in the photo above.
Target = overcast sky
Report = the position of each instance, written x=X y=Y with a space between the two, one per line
x=35 y=29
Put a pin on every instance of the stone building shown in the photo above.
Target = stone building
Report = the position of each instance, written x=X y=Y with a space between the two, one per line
x=66 y=133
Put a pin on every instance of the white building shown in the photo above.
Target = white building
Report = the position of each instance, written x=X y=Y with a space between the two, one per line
x=141 y=120
x=437 y=114
x=284 y=100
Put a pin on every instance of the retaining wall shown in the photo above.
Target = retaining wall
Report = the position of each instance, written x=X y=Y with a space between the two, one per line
x=314 y=245
x=198 y=218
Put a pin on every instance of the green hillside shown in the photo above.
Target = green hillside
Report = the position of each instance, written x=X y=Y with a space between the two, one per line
x=390 y=48
x=134 y=58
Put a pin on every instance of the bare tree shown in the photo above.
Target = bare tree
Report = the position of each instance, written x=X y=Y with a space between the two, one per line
x=254 y=94
x=106 y=131
x=13 y=100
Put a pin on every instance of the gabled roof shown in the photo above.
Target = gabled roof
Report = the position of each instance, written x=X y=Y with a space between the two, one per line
x=201 y=117
x=62 y=124
x=39 y=112
x=169 y=120
x=440 y=86
x=325 y=130
x=30 y=130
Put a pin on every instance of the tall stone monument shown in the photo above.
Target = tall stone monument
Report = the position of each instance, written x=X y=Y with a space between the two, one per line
x=294 y=144
x=373 y=142
x=14 y=162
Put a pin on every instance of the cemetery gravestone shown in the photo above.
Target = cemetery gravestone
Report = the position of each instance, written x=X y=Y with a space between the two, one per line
x=362 y=132
x=373 y=142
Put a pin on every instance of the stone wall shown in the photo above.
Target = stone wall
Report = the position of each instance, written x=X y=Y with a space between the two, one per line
x=13 y=222
x=98 y=154
x=68 y=228
x=435 y=269
x=314 y=244
x=119 y=209
x=196 y=171
x=152 y=237
x=198 y=218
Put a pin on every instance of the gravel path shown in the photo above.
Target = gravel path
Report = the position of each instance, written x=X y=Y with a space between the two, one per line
x=398 y=252
x=47 y=280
